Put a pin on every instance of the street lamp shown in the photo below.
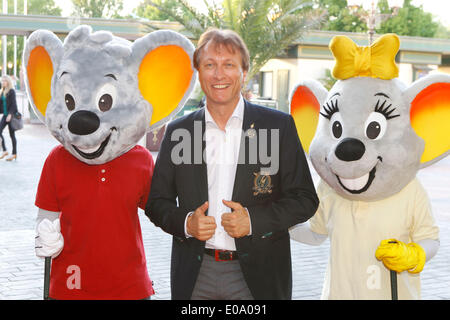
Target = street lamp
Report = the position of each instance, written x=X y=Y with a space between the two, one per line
x=371 y=14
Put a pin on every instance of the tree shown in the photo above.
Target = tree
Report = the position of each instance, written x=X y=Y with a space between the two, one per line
x=145 y=9
x=442 y=32
x=328 y=80
x=36 y=7
x=44 y=7
x=339 y=17
x=98 y=8
x=410 y=21
x=268 y=27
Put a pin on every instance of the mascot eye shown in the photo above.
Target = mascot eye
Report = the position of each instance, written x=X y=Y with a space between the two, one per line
x=336 y=125
x=337 y=129
x=105 y=102
x=373 y=130
x=70 y=101
x=106 y=97
x=375 y=126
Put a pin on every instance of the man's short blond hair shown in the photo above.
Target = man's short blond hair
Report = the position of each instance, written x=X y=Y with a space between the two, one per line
x=228 y=38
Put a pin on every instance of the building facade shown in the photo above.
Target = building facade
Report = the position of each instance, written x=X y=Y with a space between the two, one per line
x=309 y=57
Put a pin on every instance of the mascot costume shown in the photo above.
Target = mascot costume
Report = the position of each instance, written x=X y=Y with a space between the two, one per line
x=98 y=95
x=370 y=135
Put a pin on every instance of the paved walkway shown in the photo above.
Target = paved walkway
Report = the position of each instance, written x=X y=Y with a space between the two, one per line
x=21 y=272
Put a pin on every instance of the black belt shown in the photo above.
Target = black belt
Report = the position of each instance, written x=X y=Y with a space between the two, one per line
x=222 y=255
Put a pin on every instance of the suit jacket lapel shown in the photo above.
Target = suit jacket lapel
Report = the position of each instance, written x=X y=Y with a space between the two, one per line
x=242 y=170
x=200 y=168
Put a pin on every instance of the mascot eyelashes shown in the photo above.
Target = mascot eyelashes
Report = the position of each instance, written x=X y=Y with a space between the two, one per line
x=98 y=95
x=370 y=135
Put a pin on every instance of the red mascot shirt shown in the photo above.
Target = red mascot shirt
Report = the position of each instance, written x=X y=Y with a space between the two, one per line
x=103 y=255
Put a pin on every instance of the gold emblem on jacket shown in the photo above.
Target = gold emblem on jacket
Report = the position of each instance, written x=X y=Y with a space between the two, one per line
x=262 y=184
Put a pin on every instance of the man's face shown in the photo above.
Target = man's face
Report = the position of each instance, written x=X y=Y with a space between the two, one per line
x=221 y=75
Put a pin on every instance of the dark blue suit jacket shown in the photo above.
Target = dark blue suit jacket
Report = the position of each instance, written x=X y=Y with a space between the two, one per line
x=275 y=203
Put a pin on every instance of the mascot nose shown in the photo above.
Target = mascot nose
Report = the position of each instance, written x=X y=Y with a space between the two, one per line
x=350 y=149
x=83 y=122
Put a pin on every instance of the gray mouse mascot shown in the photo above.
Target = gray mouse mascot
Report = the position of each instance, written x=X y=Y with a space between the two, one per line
x=367 y=138
x=98 y=95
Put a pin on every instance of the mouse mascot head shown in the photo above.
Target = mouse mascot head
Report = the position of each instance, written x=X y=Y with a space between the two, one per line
x=370 y=134
x=98 y=94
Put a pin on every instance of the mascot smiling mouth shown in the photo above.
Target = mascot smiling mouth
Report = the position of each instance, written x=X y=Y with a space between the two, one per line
x=358 y=185
x=93 y=153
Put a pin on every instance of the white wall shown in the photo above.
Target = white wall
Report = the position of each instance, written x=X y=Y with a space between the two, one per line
x=274 y=65
x=405 y=72
x=299 y=69
x=313 y=68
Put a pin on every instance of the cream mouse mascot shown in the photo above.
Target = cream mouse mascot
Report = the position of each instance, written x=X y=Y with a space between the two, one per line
x=370 y=135
x=98 y=95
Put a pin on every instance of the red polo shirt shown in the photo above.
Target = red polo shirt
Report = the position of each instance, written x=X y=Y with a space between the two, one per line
x=103 y=255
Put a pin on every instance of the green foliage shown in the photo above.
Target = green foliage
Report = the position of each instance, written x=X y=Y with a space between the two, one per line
x=268 y=27
x=10 y=53
x=36 y=7
x=98 y=8
x=43 y=7
x=339 y=17
x=148 y=11
x=442 y=32
x=328 y=81
x=410 y=21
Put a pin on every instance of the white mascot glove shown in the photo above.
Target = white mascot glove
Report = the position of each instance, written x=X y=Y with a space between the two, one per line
x=49 y=241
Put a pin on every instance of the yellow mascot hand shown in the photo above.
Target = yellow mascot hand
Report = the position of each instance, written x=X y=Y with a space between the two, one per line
x=398 y=256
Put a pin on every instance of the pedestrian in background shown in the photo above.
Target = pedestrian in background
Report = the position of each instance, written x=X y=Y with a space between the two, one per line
x=8 y=107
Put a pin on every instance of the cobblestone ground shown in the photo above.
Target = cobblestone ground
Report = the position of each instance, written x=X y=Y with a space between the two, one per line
x=21 y=273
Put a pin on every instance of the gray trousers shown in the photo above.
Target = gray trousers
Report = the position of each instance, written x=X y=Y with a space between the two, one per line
x=220 y=280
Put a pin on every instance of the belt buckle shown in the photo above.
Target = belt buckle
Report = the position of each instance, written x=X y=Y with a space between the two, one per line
x=219 y=255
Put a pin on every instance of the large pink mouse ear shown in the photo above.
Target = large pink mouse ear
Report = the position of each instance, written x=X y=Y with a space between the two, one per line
x=305 y=102
x=430 y=116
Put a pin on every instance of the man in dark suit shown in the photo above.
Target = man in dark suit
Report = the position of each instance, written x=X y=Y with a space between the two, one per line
x=229 y=181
